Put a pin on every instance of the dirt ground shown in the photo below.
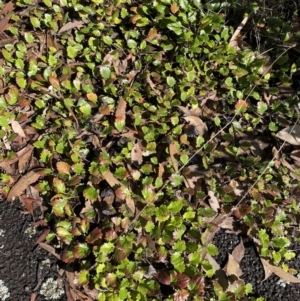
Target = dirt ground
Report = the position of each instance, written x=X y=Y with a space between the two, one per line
x=25 y=268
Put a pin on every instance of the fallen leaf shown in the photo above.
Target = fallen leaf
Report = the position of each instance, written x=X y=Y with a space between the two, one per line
x=24 y=156
x=49 y=249
x=54 y=81
x=63 y=167
x=290 y=134
x=4 y=22
x=16 y=127
x=198 y=123
x=121 y=110
x=8 y=7
x=136 y=153
x=213 y=201
x=232 y=267
x=71 y=25
x=26 y=180
x=42 y=237
x=279 y=272
x=173 y=151
x=239 y=252
x=130 y=203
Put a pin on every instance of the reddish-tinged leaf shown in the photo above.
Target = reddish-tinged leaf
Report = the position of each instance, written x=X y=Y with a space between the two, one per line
x=71 y=25
x=16 y=127
x=95 y=235
x=92 y=97
x=23 y=183
x=81 y=250
x=181 y=295
x=199 y=281
x=242 y=210
x=50 y=249
x=241 y=106
x=63 y=167
x=67 y=255
x=163 y=277
x=182 y=280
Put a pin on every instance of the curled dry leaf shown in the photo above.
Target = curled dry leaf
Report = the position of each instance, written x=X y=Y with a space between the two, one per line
x=290 y=134
x=173 y=151
x=119 y=189
x=71 y=25
x=136 y=153
x=26 y=180
x=16 y=127
x=197 y=123
x=213 y=201
x=24 y=156
x=50 y=249
x=279 y=272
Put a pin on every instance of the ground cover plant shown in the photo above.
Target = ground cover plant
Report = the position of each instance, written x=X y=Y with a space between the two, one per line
x=135 y=130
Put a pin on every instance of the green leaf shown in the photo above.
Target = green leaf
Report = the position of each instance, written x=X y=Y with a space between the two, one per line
x=178 y=261
x=280 y=242
x=212 y=250
x=81 y=250
x=72 y=52
x=171 y=81
x=217 y=121
x=83 y=277
x=21 y=82
x=107 y=40
x=175 y=206
x=105 y=72
x=262 y=107
x=35 y=22
x=273 y=127
x=107 y=248
x=131 y=43
x=90 y=193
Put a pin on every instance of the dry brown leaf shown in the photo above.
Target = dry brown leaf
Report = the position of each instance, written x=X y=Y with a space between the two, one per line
x=213 y=201
x=16 y=127
x=121 y=110
x=198 y=123
x=26 y=180
x=71 y=25
x=49 y=249
x=24 y=156
x=8 y=7
x=63 y=167
x=239 y=252
x=54 y=81
x=130 y=203
x=232 y=267
x=136 y=153
x=173 y=151
x=4 y=22
x=111 y=179
x=290 y=134
x=279 y=272
x=152 y=34
x=213 y=262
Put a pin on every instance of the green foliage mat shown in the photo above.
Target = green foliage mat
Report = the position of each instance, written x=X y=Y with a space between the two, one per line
x=139 y=128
